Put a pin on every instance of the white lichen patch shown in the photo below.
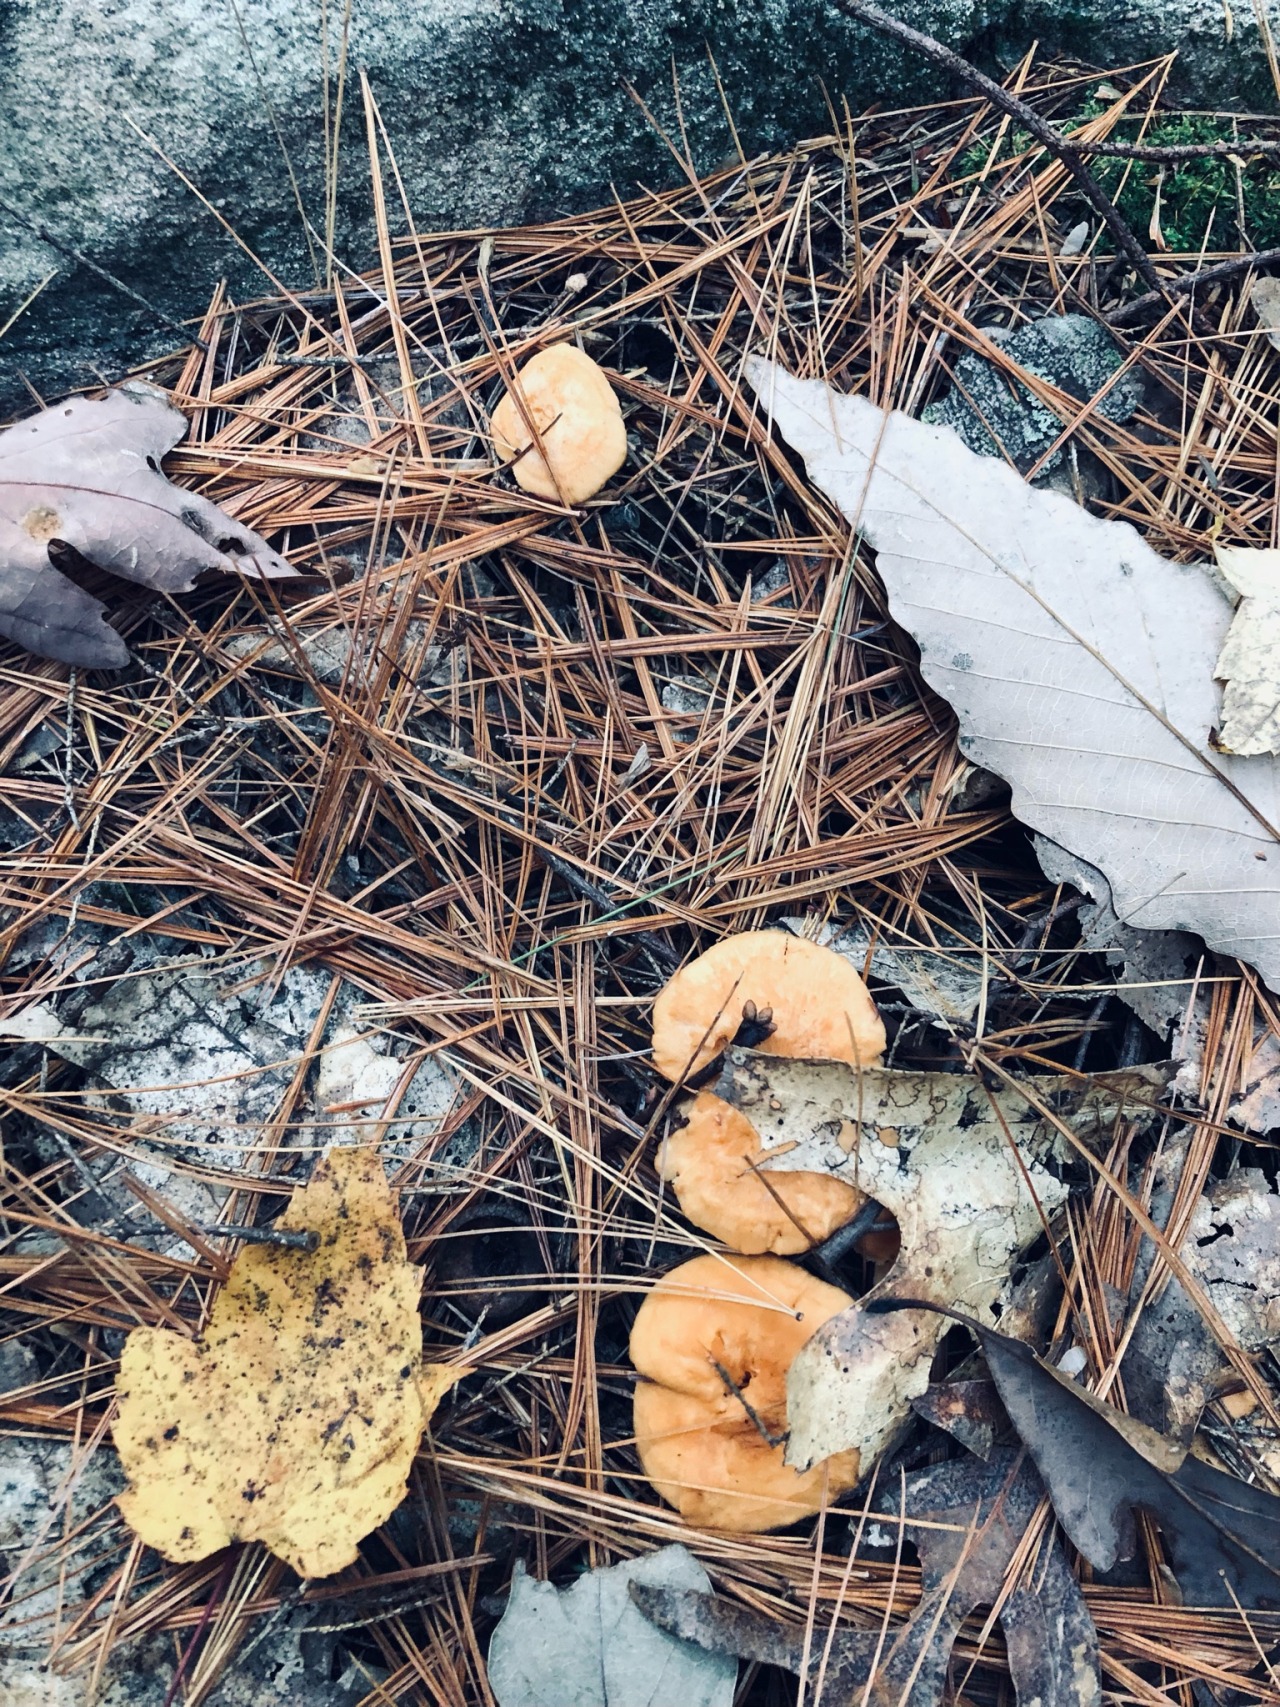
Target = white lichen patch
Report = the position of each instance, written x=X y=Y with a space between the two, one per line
x=357 y=1084
x=195 y=1058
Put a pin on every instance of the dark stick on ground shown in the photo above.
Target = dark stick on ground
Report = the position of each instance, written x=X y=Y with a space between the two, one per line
x=1217 y=274
x=1063 y=148
x=1169 y=153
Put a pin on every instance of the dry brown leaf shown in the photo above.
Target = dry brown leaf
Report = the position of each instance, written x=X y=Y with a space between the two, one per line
x=294 y=1419
x=83 y=480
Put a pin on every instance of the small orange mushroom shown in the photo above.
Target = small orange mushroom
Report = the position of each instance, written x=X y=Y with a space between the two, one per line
x=582 y=441
x=711 y=1164
x=713 y=1338
x=807 y=1002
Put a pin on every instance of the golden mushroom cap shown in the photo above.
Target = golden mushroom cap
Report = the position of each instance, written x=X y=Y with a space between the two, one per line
x=819 y=1006
x=697 y=1444
x=579 y=422
x=710 y=1164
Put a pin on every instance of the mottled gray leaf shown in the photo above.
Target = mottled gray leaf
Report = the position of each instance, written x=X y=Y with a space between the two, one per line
x=590 y=1646
x=1079 y=663
x=938 y=1151
x=83 y=480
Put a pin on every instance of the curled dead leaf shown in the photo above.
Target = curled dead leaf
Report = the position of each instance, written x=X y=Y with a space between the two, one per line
x=294 y=1418
x=1101 y=1467
x=82 y=481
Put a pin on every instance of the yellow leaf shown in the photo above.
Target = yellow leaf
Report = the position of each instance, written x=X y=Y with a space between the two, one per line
x=294 y=1419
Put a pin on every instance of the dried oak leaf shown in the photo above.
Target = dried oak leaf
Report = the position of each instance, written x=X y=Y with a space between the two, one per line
x=970 y=1175
x=82 y=480
x=1101 y=1467
x=294 y=1418
x=968 y=1522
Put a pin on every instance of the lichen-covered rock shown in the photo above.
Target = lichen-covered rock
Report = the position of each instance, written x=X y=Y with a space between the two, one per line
x=996 y=416
x=204 y=1051
x=498 y=110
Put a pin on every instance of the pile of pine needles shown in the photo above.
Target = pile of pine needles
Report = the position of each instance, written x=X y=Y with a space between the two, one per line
x=548 y=756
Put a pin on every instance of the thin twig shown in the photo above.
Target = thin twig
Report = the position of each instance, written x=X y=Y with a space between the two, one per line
x=1184 y=283
x=1063 y=148
x=731 y=1386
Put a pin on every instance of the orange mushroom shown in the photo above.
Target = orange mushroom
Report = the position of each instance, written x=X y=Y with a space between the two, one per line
x=581 y=439
x=808 y=1001
x=711 y=1164
x=714 y=1341
x=796 y=999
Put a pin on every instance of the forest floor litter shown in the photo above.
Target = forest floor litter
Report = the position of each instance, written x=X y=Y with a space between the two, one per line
x=401 y=848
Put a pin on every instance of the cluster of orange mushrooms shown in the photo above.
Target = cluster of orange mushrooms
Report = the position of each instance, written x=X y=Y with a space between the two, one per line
x=714 y=1339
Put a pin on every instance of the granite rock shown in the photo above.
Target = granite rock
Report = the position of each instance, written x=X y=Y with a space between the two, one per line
x=498 y=111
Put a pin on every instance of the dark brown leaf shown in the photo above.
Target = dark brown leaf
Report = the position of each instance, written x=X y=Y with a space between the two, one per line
x=969 y=1411
x=1101 y=1467
x=967 y=1521
x=83 y=480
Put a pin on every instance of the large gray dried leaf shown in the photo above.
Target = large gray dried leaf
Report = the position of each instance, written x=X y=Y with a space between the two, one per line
x=590 y=1646
x=1079 y=663
x=83 y=479
x=938 y=1151
x=1264 y=294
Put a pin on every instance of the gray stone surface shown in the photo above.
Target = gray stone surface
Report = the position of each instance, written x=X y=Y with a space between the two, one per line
x=997 y=416
x=498 y=110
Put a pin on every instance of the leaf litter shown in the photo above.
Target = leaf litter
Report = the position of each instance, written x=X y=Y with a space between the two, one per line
x=971 y=1175
x=1101 y=1468
x=292 y=805
x=968 y=1523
